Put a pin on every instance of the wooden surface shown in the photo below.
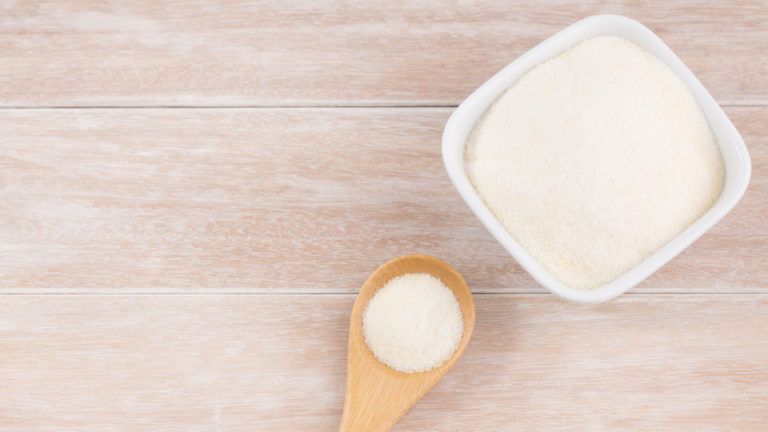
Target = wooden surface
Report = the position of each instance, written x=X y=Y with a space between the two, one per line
x=281 y=200
x=326 y=52
x=192 y=192
x=277 y=363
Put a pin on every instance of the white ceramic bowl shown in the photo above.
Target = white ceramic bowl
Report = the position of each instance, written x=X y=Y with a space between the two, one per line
x=732 y=147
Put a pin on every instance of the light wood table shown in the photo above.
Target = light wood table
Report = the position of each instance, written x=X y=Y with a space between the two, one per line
x=191 y=194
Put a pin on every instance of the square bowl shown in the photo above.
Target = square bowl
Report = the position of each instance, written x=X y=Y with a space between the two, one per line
x=737 y=165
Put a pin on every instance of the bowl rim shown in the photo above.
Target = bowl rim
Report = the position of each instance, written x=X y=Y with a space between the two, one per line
x=737 y=164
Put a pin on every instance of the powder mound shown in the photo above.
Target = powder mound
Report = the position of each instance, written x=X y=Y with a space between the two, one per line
x=413 y=323
x=594 y=159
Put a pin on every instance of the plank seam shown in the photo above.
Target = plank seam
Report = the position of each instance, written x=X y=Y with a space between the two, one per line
x=290 y=106
x=320 y=291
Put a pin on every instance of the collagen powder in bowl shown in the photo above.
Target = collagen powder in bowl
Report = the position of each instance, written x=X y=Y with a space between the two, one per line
x=595 y=158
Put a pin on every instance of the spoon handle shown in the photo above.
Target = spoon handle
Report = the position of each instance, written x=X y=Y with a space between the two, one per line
x=377 y=396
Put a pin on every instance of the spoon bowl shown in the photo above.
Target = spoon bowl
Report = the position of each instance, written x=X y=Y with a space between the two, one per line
x=377 y=395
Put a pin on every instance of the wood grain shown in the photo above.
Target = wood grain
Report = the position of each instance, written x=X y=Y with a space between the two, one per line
x=280 y=199
x=327 y=52
x=277 y=363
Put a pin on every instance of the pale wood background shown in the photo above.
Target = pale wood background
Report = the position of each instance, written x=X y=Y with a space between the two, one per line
x=192 y=192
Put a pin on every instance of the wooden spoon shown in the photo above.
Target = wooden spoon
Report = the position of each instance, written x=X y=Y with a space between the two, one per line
x=377 y=395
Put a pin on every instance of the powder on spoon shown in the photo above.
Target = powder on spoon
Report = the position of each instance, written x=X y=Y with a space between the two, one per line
x=413 y=323
x=594 y=159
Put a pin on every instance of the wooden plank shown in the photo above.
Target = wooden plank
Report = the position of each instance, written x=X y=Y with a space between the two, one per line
x=236 y=52
x=277 y=363
x=298 y=199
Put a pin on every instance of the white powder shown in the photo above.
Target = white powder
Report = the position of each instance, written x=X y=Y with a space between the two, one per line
x=595 y=159
x=413 y=323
